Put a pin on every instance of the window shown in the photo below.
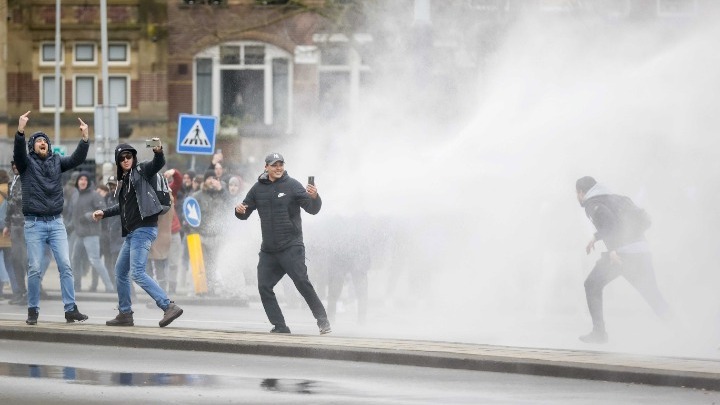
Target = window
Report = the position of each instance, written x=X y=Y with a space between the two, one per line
x=341 y=76
x=84 y=93
x=248 y=85
x=118 y=53
x=47 y=54
x=49 y=93
x=119 y=92
x=203 y=83
x=84 y=54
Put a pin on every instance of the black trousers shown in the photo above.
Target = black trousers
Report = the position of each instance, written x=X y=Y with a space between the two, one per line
x=271 y=268
x=636 y=268
x=339 y=270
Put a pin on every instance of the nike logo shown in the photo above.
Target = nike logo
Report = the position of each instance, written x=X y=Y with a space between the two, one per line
x=281 y=195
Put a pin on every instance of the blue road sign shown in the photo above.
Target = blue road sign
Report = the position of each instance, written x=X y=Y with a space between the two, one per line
x=196 y=134
x=191 y=209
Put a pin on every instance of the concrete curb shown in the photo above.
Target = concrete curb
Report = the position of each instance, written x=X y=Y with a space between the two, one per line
x=659 y=371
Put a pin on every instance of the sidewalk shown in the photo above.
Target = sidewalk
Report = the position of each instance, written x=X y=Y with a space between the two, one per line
x=626 y=368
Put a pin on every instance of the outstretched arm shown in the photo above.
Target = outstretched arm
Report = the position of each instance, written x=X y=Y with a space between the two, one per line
x=308 y=198
x=20 y=147
x=80 y=154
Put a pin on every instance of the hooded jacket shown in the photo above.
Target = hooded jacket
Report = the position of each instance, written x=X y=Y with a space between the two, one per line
x=139 y=177
x=42 y=187
x=598 y=204
x=86 y=202
x=278 y=203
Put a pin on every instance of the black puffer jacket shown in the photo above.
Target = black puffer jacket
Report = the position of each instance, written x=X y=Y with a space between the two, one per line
x=42 y=187
x=278 y=204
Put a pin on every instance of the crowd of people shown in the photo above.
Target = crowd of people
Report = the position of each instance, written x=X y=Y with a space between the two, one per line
x=94 y=245
x=118 y=233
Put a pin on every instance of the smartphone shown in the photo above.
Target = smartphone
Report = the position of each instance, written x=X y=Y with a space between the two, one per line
x=311 y=180
x=152 y=143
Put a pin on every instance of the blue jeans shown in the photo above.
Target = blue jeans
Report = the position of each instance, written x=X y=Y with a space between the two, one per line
x=131 y=263
x=91 y=244
x=38 y=233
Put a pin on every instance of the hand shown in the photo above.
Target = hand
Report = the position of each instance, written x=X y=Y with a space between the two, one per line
x=312 y=190
x=615 y=258
x=217 y=158
x=83 y=129
x=98 y=215
x=240 y=209
x=590 y=246
x=158 y=148
x=169 y=173
x=22 y=122
x=6 y=231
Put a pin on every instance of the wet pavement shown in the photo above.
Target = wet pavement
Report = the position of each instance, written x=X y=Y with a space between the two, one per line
x=77 y=373
x=629 y=368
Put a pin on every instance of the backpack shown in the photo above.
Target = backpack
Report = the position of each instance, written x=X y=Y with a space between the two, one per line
x=634 y=221
x=162 y=191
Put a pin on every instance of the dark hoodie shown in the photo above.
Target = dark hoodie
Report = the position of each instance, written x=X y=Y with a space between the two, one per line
x=600 y=207
x=138 y=205
x=42 y=187
x=86 y=202
x=278 y=204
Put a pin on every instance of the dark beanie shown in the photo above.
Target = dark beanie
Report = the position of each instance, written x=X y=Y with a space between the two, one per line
x=584 y=184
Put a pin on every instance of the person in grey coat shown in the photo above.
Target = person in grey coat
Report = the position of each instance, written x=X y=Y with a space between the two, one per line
x=87 y=230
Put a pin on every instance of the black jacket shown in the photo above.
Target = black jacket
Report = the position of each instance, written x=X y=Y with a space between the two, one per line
x=42 y=187
x=147 y=202
x=600 y=209
x=278 y=204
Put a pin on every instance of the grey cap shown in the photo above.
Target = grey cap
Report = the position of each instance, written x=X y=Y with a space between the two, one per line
x=112 y=180
x=274 y=157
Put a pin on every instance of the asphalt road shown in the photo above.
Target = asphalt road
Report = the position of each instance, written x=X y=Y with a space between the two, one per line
x=42 y=373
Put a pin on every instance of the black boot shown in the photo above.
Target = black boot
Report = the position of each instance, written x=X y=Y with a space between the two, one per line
x=32 y=316
x=75 y=315
x=122 y=319
x=172 y=312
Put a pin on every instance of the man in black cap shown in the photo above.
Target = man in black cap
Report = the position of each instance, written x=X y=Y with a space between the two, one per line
x=278 y=199
x=42 y=204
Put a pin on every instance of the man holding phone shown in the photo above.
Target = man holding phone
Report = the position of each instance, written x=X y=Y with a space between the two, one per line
x=278 y=198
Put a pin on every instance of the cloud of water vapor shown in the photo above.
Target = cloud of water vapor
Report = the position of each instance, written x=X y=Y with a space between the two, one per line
x=477 y=232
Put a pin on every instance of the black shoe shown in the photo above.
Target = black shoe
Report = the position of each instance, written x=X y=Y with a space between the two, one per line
x=171 y=313
x=280 y=329
x=32 y=316
x=324 y=326
x=75 y=315
x=595 y=337
x=122 y=319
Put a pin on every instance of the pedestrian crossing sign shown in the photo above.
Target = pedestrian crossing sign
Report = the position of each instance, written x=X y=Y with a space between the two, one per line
x=196 y=134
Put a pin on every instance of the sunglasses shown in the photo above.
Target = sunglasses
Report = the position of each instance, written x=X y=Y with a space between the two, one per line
x=125 y=156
